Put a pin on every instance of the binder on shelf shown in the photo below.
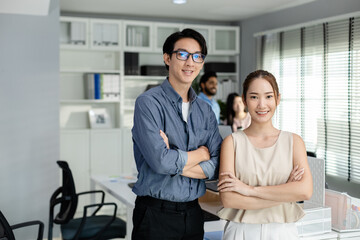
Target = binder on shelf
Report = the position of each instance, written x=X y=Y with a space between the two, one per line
x=83 y=34
x=97 y=35
x=131 y=63
x=114 y=35
x=102 y=86
x=135 y=37
x=89 y=86
x=106 y=35
x=74 y=32
x=97 y=83
x=78 y=33
x=128 y=39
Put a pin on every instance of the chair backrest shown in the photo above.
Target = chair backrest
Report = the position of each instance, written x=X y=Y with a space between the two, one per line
x=70 y=200
x=317 y=168
x=6 y=232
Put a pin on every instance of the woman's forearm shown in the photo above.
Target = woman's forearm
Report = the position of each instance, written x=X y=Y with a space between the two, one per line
x=288 y=192
x=238 y=201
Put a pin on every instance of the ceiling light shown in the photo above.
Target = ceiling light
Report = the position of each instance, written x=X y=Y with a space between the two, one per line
x=179 y=1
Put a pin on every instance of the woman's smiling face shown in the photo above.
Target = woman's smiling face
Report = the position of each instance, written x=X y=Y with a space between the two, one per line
x=261 y=101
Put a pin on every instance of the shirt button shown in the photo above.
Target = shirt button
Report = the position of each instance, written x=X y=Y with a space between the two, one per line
x=190 y=188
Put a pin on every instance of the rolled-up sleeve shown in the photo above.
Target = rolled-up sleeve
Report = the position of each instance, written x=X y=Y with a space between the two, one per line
x=148 y=122
x=183 y=157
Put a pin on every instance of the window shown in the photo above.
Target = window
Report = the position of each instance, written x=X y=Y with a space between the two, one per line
x=318 y=72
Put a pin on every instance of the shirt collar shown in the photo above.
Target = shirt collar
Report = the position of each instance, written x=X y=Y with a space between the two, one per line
x=173 y=95
x=204 y=97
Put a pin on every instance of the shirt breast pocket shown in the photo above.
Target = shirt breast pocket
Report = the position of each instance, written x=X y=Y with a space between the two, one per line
x=202 y=136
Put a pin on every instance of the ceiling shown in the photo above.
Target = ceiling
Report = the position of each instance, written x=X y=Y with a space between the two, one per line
x=28 y=7
x=210 y=10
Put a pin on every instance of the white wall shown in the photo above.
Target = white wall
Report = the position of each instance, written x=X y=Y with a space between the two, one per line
x=313 y=11
x=29 y=120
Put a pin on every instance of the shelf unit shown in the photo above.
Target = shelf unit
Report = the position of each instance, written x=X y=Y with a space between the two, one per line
x=162 y=31
x=91 y=45
x=205 y=30
x=138 y=36
x=105 y=34
x=73 y=33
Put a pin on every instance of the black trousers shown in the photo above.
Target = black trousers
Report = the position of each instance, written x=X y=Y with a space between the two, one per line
x=155 y=219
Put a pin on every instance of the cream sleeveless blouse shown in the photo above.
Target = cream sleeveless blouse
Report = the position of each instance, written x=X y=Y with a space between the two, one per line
x=263 y=167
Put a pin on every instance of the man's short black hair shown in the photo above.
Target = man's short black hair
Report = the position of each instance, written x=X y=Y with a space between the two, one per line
x=169 y=43
x=206 y=77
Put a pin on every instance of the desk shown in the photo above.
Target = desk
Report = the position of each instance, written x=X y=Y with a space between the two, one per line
x=118 y=187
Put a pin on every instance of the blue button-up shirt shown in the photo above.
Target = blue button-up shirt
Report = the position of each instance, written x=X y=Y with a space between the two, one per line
x=214 y=105
x=160 y=168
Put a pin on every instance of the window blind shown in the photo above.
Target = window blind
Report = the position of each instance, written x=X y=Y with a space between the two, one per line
x=318 y=72
x=313 y=85
x=355 y=101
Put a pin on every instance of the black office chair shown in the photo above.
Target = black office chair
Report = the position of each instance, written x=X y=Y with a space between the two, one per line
x=90 y=227
x=6 y=231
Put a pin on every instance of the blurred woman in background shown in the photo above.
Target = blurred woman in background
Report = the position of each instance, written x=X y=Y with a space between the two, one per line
x=236 y=116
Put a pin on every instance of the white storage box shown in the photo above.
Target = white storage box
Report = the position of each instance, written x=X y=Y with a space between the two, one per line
x=349 y=235
x=317 y=219
x=324 y=236
x=345 y=211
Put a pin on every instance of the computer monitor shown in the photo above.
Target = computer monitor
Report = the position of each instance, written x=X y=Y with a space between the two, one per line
x=225 y=130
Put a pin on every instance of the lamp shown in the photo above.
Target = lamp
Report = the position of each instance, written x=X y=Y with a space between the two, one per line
x=179 y=1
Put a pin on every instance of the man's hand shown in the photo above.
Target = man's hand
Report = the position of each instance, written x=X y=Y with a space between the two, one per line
x=204 y=152
x=192 y=168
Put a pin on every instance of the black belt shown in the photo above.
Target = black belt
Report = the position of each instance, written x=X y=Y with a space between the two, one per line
x=155 y=202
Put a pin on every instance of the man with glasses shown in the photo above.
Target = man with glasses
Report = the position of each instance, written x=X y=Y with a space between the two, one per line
x=176 y=146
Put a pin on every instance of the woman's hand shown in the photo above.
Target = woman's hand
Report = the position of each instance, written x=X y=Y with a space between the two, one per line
x=165 y=138
x=296 y=174
x=232 y=184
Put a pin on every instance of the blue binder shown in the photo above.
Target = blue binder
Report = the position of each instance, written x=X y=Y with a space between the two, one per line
x=97 y=85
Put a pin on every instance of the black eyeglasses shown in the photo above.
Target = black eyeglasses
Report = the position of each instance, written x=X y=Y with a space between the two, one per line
x=184 y=55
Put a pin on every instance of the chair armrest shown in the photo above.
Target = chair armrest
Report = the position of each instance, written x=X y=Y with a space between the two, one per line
x=106 y=225
x=30 y=223
x=101 y=204
x=94 y=192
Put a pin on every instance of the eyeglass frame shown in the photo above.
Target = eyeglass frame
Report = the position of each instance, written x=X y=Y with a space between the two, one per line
x=189 y=54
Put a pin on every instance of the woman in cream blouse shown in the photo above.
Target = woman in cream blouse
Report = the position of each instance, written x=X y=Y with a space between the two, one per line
x=263 y=170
